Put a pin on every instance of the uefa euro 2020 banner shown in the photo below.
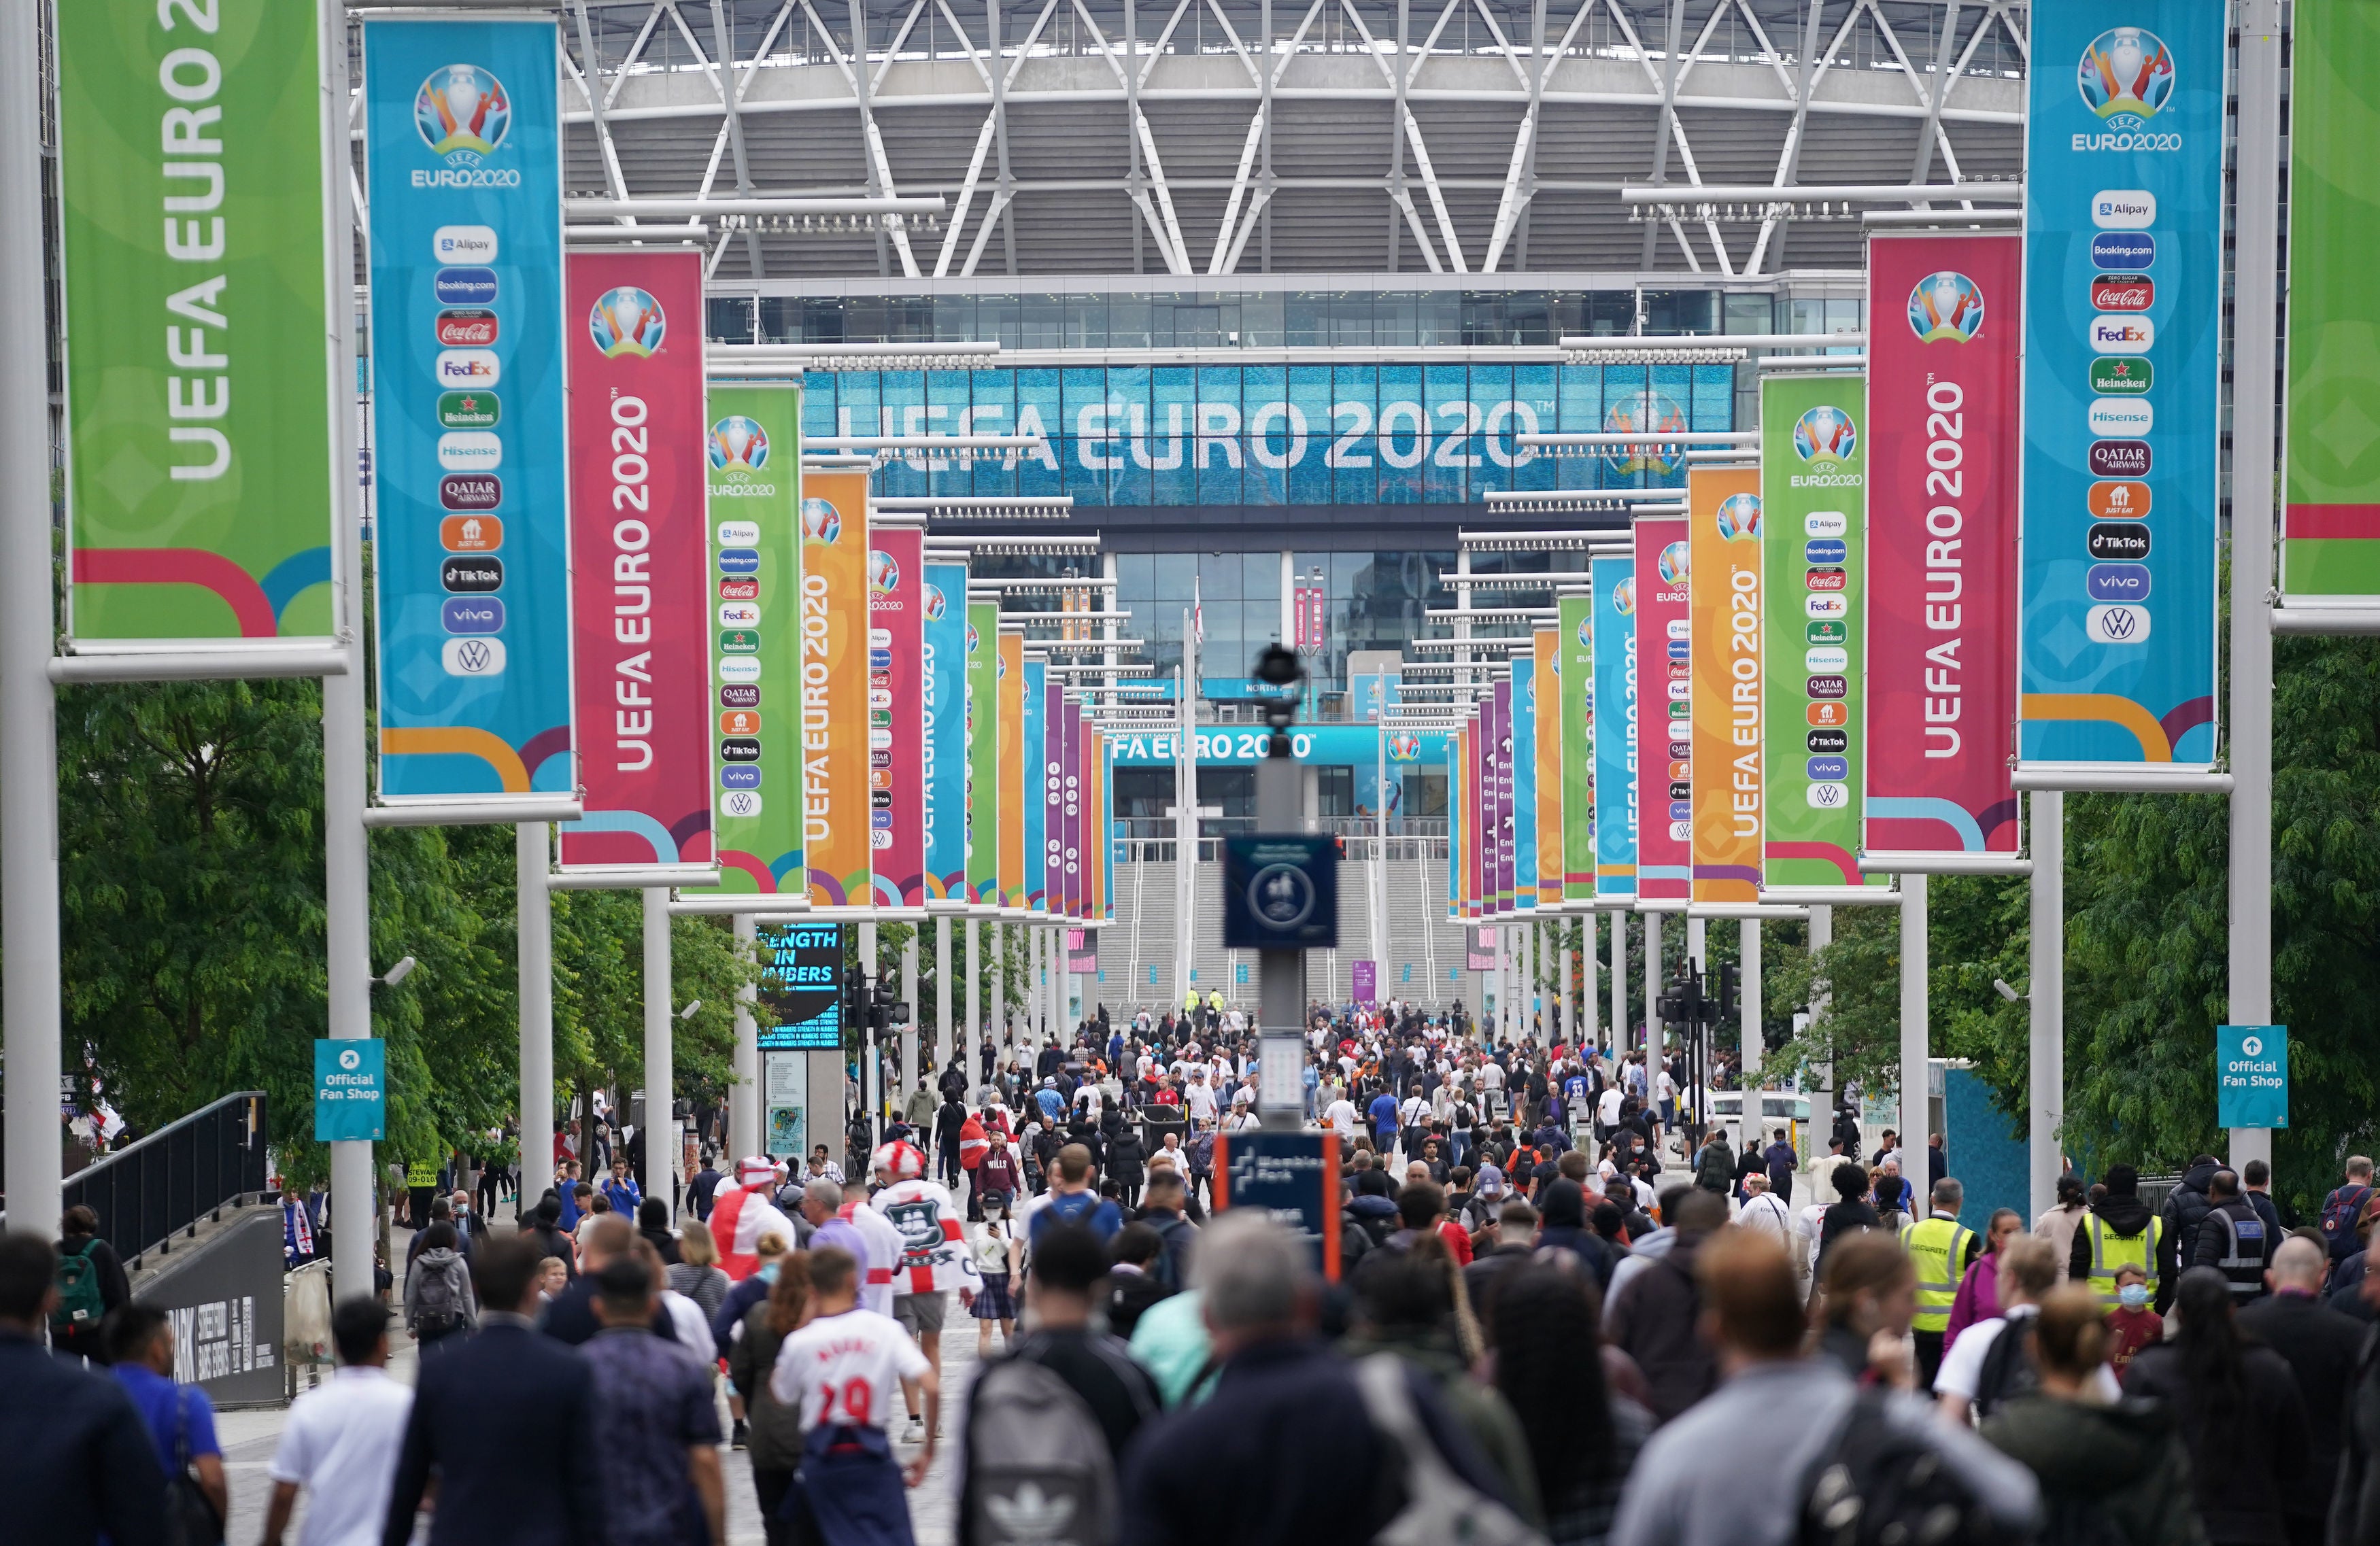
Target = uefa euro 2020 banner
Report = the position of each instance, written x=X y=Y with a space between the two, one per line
x=1728 y=606
x=1616 y=726
x=1040 y=741
x=1813 y=449
x=2123 y=275
x=752 y=447
x=836 y=829
x=1665 y=741
x=200 y=376
x=462 y=131
x=1552 y=683
x=641 y=567
x=1521 y=781
x=896 y=692
x=983 y=754
x=1574 y=725
x=945 y=683
x=2330 y=531
x=1009 y=690
x=1945 y=325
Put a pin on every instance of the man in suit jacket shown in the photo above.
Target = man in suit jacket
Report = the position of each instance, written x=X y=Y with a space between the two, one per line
x=2320 y=1345
x=503 y=1420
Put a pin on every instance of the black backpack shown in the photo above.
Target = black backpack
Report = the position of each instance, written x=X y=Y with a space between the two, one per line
x=2008 y=1369
x=1881 y=1484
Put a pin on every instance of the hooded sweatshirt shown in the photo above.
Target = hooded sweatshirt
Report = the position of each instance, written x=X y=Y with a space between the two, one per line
x=2103 y=1469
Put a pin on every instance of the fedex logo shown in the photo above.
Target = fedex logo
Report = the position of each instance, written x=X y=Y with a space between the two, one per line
x=2121 y=335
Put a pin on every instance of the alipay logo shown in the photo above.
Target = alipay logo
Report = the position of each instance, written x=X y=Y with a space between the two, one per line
x=464 y=244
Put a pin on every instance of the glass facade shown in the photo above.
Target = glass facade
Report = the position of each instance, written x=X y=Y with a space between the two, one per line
x=1272 y=434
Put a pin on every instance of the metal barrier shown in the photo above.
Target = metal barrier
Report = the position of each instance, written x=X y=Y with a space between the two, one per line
x=147 y=1192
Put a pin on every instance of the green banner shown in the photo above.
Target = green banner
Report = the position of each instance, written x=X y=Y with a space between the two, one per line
x=1575 y=639
x=1813 y=522
x=198 y=373
x=754 y=450
x=983 y=752
x=2331 y=518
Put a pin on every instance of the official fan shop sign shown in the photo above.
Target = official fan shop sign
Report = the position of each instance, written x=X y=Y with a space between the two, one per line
x=1280 y=893
x=2123 y=285
x=350 y=1090
x=462 y=132
x=193 y=166
x=642 y=604
x=1941 y=594
x=2252 y=1076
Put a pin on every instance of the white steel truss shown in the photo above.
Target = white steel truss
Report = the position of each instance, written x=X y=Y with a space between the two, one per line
x=1120 y=135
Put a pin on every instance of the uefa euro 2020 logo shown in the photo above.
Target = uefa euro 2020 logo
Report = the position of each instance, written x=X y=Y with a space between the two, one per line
x=462 y=113
x=1945 y=308
x=2126 y=73
x=1824 y=434
x=883 y=575
x=1672 y=564
x=738 y=447
x=626 y=321
x=1624 y=601
x=1739 y=514
x=1405 y=747
x=1654 y=412
x=820 y=521
x=974 y=638
x=936 y=603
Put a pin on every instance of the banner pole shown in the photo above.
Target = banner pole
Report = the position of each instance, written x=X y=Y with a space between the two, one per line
x=2253 y=350
x=659 y=1134
x=744 y=1122
x=2047 y=1003
x=29 y=752
x=1916 y=1083
x=532 y=848
x=942 y=997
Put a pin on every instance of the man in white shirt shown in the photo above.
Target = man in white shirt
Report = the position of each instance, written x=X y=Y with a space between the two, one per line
x=1764 y=1214
x=341 y=1442
x=1606 y=1108
x=1198 y=1100
x=1340 y=1118
x=852 y=1366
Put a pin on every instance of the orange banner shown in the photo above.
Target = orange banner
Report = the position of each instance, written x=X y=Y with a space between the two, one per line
x=1726 y=606
x=834 y=689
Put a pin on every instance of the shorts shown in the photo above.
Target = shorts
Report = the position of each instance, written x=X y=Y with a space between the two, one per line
x=919 y=1313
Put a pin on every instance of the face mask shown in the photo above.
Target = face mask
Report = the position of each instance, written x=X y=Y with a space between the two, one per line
x=2133 y=1295
x=767 y=1272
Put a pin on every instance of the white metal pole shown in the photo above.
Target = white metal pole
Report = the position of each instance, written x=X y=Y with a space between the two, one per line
x=745 y=1134
x=943 y=996
x=28 y=749
x=1654 y=978
x=2253 y=349
x=872 y=1056
x=1378 y=873
x=1916 y=1083
x=1618 y=984
x=347 y=872
x=660 y=1134
x=1822 y=934
x=2046 y=1002
x=532 y=847
x=971 y=1022
x=995 y=947
x=909 y=1024
x=1566 y=981
x=1750 y=1120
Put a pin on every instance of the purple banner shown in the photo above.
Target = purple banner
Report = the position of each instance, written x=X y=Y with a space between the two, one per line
x=1503 y=741
x=1367 y=982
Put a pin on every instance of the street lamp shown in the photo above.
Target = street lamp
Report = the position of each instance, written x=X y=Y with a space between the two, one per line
x=687 y=1013
x=397 y=973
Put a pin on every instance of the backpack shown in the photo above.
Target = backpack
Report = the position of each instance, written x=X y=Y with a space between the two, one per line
x=1879 y=1483
x=2007 y=1368
x=2340 y=1211
x=1438 y=1506
x=1037 y=1466
x=436 y=1311
x=79 y=1307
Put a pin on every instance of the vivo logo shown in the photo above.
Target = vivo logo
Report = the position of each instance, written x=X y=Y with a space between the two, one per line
x=2123 y=208
x=1829 y=767
x=2118 y=581
x=2123 y=624
x=740 y=777
x=472 y=615
x=1682 y=810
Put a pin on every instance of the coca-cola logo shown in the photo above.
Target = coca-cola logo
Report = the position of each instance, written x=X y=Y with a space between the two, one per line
x=1826 y=579
x=2122 y=292
x=467 y=328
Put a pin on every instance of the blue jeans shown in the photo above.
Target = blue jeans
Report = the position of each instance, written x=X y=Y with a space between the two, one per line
x=1458 y=1146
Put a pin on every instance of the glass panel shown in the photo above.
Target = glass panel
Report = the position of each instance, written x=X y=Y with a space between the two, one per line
x=1401 y=436
x=1309 y=394
x=1353 y=454
x=1219 y=446
x=1272 y=444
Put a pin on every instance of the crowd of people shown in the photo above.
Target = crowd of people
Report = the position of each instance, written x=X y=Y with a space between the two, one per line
x=1552 y=1311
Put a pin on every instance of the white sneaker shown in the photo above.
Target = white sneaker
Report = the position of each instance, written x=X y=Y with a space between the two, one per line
x=916 y=1433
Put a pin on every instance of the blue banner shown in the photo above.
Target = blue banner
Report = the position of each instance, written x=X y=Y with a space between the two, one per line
x=2123 y=322
x=1037 y=785
x=1220 y=746
x=350 y=1090
x=1615 y=727
x=1522 y=775
x=2252 y=1076
x=472 y=574
x=946 y=731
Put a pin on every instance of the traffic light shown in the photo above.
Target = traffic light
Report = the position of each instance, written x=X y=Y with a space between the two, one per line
x=1726 y=1002
x=855 y=998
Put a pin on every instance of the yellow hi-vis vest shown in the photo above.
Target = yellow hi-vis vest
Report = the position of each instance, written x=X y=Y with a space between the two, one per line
x=2111 y=1252
x=1937 y=1248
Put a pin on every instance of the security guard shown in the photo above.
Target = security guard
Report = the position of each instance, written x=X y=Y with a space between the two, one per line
x=2234 y=1238
x=2121 y=1229
x=1941 y=1248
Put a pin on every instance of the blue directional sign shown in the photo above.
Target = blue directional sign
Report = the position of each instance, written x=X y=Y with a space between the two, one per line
x=2252 y=1076
x=350 y=1090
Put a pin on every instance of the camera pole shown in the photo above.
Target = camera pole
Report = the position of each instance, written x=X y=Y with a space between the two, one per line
x=1280 y=974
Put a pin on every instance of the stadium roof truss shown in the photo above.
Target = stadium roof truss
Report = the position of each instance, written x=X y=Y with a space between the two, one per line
x=1227 y=137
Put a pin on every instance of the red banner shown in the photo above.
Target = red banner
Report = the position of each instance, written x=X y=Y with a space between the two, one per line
x=896 y=714
x=1665 y=791
x=1944 y=337
x=639 y=563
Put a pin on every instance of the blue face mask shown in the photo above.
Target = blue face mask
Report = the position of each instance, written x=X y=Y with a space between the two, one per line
x=2133 y=1295
x=767 y=1273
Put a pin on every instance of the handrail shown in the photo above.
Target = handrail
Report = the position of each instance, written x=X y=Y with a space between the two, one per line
x=163 y=1184
x=186 y=1119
